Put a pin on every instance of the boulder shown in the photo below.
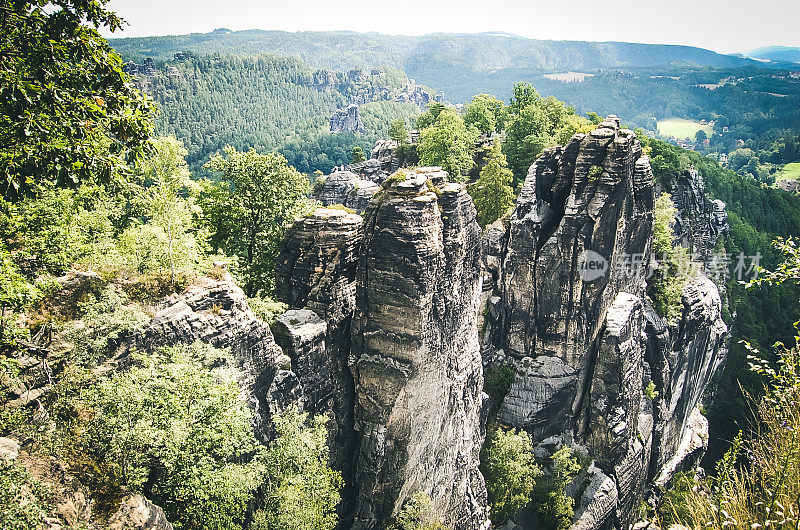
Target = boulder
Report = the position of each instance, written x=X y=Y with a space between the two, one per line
x=137 y=513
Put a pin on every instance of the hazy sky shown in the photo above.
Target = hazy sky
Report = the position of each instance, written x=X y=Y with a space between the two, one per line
x=721 y=25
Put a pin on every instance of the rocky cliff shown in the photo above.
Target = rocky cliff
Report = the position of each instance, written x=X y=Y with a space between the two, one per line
x=415 y=358
x=316 y=274
x=700 y=221
x=588 y=204
x=215 y=311
x=570 y=313
x=347 y=120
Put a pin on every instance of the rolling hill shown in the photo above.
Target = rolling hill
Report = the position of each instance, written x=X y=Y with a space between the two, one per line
x=456 y=63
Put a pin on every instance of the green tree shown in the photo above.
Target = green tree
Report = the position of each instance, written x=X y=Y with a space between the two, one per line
x=431 y=114
x=508 y=465
x=398 y=131
x=492 y=192
x=666 y=287
x=700 y=136
x=248 y=209
x=302 y=492
x=68 y=113
x=418 y=513
x=550 y=499
x=447 y=143
x=486 y=113
x=175 y=427
x=357 y=155
x=168 y=201
x=535 y=123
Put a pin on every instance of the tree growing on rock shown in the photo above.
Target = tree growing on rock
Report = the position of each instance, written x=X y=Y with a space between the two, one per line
x=447 y=143
x=247 y=210
x=492 y=192
x=357 y=155
x=510 y=471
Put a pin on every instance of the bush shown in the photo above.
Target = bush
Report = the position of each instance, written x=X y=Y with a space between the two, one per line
x=554 y=506
x=104 y=322
x=266 y=308
x=23 y=500
x=498 y=382
x=175 y=427
x=418 y=513
x=301 y=492
x=509 y=468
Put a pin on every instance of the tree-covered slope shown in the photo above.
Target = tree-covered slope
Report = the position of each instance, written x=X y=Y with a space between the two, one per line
x=271 y=104
x=444 y=61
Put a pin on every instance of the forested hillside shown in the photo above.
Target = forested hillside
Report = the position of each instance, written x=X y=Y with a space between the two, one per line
x=461 y=65
x=271 y=104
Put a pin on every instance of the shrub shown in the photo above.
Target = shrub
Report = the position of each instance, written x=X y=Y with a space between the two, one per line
x=418 y=513
x=498 y=382
x=509 y=468
x=301 y=491
x=23 y=500
x=266 y=308
x=175 y=427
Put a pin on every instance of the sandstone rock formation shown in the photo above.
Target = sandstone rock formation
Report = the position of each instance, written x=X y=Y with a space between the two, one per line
x=571 y=315
x=216 y=312
x=316 y=271
x=137 y=513
x=416 y=361
x=345 y=188
x=682 y=364
x=347 y=120
x=418 y=95
x=590 y=202
x=700 y=222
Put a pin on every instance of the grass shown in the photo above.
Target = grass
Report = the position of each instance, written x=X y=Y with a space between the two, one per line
x=682 y=128
x=789 y=172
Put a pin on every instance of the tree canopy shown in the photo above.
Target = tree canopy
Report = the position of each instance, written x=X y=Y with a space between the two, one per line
x=68 y=113
x=447 y=142
x=247 y=210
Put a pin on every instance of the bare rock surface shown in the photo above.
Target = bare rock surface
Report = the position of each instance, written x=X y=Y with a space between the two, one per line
x=137 y=513
x=415 y=355
x=700 y=221
x=573 y=319
x=346 y=188
x=316 y=272
x=347 y=120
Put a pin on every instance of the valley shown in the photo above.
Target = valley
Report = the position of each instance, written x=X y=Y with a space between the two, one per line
x=341 y=280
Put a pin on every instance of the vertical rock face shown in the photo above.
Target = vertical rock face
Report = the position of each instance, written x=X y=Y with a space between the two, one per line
x=347 y=120
x=579 y=235
x=683 y=368
x=700 y=222
x=415 y=356
x=573 y=319
x=316 y=271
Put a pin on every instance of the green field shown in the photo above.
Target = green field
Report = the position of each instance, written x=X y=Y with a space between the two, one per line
x=681 y=128
x=789 y=171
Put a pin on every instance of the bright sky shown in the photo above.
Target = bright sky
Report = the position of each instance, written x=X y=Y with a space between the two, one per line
x=722 y=25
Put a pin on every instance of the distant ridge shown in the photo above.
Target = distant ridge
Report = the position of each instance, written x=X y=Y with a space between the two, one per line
x=776 y=54
x=451 y=62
